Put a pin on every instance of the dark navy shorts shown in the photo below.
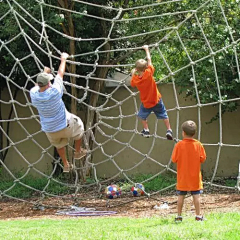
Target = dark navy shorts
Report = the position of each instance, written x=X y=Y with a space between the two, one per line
x=159 y=110
x=192 y=192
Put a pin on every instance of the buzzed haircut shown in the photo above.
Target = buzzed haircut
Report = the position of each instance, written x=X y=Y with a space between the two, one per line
x=141 y=64
x=189 y=127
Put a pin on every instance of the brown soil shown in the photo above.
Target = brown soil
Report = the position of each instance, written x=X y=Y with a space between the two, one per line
x=125 y=207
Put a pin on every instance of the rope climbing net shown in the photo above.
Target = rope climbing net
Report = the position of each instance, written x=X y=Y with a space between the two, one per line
x=109 y=135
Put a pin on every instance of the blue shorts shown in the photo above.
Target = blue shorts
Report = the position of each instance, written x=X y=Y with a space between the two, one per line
x=192 y=192
x=159 y=110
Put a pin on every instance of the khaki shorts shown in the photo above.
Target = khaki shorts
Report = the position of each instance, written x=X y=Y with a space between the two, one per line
x=74 y=130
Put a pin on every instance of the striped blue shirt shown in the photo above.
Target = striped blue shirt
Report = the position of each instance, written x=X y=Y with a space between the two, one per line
x=50 y=106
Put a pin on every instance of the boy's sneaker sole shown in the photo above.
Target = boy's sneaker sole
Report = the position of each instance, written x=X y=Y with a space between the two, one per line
x=178 y=219
x=67 y=169
x=145 y=134
x=200 y=219
x=169 y=135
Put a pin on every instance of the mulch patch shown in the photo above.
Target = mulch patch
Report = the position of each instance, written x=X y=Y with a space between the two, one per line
x=125 y=206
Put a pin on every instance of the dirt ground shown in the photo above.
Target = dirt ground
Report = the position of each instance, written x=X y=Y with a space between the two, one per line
x=124 y=206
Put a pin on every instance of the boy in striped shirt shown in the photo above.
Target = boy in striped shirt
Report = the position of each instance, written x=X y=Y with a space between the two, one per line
x=58 y=124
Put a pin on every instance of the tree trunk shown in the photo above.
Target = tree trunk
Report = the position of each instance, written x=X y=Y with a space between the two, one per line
x=97 y=87
x=8 y=124
x=1 y=125
x=70 y=31
x=72 y=68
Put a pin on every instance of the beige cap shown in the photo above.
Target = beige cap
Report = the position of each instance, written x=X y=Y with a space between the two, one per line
x=44 y=78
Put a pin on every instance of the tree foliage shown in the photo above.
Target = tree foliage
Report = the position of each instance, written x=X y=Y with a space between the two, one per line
x=126 y=29
x=213 y=28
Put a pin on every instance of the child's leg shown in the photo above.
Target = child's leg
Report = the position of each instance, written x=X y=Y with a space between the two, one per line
x=167 y=123
x=143 y=114
x=161 y=113
x=77 y=132
x=180 y=204
x=79 y=152
x=145 y=124
x=62 y=154
x=77 y=144
x=169 y=134
x=196 y=202
x=58 y=141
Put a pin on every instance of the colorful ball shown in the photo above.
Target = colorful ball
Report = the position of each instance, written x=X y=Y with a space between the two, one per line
x=113 y=191
x=138 y=190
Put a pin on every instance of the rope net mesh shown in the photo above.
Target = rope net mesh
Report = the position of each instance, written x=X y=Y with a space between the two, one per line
x=108 y=120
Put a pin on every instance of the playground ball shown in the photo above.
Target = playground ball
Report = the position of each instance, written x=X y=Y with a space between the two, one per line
x=113 y=191
x=138 y=190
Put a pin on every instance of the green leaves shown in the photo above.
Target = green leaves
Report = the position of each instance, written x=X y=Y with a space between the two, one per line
x=212 y=28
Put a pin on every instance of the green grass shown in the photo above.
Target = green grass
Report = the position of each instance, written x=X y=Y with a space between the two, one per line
x=218 y=226
x=155 y=184
x=231 y=182
x=20 y=191
x=158 y=182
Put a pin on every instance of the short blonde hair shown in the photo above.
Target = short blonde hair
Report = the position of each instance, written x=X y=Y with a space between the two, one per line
x=141 y=64
x=189 y=127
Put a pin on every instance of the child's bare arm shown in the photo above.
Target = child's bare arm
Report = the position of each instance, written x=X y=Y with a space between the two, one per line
x=132 y=74
x=133 y=71
x=149 y=60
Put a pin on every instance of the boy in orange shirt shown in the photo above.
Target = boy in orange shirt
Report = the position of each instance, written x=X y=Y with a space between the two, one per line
x=188 y=154
x=142 y=78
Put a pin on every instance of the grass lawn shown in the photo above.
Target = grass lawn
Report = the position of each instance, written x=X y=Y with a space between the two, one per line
x=218 y=226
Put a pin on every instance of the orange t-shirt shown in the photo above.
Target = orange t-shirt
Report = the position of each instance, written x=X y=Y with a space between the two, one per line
x=188 y=154
x=147 y=87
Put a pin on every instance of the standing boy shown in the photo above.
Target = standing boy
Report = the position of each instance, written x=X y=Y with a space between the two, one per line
x=188 y=154
x=142 y=78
